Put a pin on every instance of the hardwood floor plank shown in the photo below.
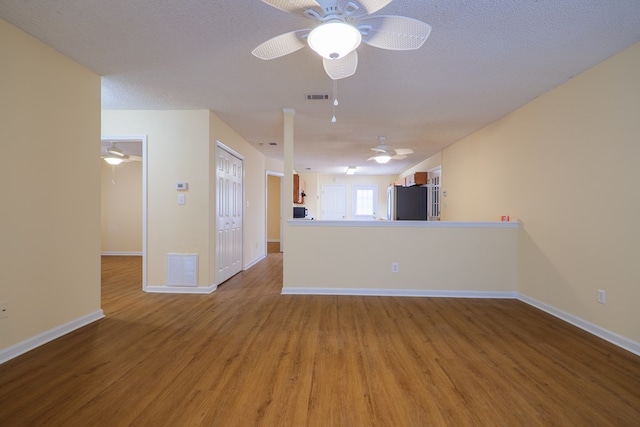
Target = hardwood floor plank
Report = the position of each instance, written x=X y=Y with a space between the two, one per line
x=247 y=355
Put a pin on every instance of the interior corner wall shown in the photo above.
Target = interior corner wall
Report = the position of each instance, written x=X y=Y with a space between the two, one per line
x=50 y=217
x=565 y=165
x=254 y=163
x=273 y=208
x=121 y=194
x=177 y=151
x=430 y=163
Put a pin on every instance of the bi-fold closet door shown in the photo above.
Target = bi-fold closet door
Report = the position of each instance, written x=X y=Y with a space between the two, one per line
x=229 y=204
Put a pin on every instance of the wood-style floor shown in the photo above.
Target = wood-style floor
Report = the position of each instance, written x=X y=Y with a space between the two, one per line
x=246 y=355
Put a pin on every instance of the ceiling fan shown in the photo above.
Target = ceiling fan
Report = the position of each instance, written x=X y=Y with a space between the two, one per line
x=384 y=153
x=114 y=156
x=340 y=27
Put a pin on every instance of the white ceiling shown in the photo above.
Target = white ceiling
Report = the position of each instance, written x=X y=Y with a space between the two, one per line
x=483 y=59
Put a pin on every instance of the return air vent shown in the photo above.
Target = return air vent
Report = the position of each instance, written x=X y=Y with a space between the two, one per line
x=182 y=270
x=312 y=97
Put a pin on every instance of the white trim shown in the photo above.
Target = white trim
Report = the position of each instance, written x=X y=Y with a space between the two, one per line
x=254 y=262
x=47 y=336
x=398 y=293
x=181 y=289
x=230 y=151
x=121 y=253
x=401 y=224
x=145 y=157
x=612 y=337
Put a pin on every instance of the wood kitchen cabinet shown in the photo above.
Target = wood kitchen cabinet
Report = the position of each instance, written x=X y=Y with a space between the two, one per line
x=418 y=178
x=298 y=190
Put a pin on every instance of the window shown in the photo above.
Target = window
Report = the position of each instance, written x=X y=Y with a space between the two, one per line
x=365 y=202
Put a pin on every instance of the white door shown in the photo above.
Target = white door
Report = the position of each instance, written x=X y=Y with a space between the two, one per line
x=334 y=202
x=229 y=215
x=365 y=202
x=433 y=202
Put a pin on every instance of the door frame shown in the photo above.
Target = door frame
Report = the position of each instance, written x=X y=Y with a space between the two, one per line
x=145 y=157
x=266 y=217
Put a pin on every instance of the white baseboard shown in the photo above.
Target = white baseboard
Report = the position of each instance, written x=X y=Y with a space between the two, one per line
x=398 y=293
x=50 y=335
x=121 y=253
x=254 y=262
x=612 y=337
x=202 y=290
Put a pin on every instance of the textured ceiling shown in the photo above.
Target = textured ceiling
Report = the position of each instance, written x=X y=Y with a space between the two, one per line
x=483 y=59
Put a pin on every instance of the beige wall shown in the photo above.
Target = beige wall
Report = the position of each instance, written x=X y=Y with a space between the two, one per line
x=433 y=259
x=254 y=231
x=122 y=208
x=565 y=165
x=314 y=191
x=181 y=147
x=273 y=208
x=50 y=216
x=177 y=150
x=427 y=165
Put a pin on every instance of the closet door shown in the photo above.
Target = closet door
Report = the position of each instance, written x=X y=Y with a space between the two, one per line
x=229 y=202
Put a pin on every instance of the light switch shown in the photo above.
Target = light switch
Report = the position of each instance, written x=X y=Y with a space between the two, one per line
x=182 y=199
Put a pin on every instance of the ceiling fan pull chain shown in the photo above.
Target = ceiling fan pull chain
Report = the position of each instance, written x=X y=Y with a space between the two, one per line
x=335 y=100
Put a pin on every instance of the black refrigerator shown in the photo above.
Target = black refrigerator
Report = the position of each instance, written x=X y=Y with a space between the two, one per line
x=411 y=203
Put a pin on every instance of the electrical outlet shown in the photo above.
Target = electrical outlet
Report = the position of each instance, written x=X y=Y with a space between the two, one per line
x=602 y=296
x=4 y=309
x=395 y=267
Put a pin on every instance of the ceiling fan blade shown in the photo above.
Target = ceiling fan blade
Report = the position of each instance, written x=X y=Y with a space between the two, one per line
x=281 y=45
x=404 y=151
x=132 y=158
x=341 y=67
x=399 y=157
x=292 y=6
x=393 y=32
x=358 y=8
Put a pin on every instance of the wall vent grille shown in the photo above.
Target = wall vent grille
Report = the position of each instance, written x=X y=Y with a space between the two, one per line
x=317 y=97
x=182 y=269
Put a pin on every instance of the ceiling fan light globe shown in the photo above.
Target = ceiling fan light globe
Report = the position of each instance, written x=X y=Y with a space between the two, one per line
x=382 y=159
x=112 y=160
x=334 y=39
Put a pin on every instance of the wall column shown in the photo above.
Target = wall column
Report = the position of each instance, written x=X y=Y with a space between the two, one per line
x=287 y=193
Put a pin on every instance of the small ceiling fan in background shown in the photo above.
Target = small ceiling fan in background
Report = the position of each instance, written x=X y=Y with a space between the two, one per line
x=114 y=156
x=384 y=153
x=340 y=27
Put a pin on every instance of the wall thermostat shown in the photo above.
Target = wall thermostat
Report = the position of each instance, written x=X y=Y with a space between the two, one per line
x=181 y=186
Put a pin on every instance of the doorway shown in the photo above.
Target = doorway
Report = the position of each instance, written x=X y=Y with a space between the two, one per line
x=274 y=209
x=134 y=149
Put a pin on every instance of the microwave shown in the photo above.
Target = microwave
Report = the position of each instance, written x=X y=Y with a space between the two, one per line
x=300 y=212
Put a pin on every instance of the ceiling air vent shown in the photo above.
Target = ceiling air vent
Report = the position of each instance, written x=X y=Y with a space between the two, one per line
x=314 y=97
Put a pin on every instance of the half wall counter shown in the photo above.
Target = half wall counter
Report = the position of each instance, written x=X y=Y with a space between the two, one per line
x=403 y=258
